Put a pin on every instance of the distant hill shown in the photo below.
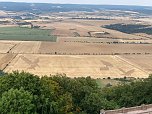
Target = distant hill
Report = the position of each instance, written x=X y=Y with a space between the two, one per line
x=47 y=7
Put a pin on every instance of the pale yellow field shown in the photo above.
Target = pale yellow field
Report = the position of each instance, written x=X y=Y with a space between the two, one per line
x=69 y=48
x=76 y=29
x=5 y=59
x=144 y=61
x=104 y=22
x=5 y=47
x=26 y=47
x=75 y=66
x=78 y=53
x=74 y=46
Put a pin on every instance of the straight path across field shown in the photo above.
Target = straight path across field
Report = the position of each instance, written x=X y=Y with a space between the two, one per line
x=5 y=59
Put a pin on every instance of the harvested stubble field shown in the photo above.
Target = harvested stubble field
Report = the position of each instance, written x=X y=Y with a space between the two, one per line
x=5 y=47
x=73 y=48
x=93 y=48
x=144 y=61
x=96 y=66
x=76 y=53
x=27 y=47
x=35 y=57
x=104 y=22
x=72 y=28
x=5 y=59
x=101 y=40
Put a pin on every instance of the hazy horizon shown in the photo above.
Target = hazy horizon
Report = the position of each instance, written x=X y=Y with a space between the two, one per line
x=97 y=2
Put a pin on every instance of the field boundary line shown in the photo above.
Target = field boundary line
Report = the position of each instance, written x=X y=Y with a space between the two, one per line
x=12 y=48
x=9 y=62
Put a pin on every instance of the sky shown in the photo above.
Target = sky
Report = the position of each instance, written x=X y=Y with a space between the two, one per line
x=112 y=2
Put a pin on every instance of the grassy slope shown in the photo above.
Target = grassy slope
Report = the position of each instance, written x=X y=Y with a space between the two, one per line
x=103 y=82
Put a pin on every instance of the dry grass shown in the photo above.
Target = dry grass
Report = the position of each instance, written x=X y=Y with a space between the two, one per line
x=143 y=61
x=5 y=47
x=76 y=46
x=104 y=22
x=5 y=59
x=75 y=66
x=70 y=27
x=26 y=47
x=93 y=48
x=78 y=54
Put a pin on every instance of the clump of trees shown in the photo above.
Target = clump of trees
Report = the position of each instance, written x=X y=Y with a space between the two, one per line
x=131 y=28
x=58 y=94
x=25 y=93
x=131 y=94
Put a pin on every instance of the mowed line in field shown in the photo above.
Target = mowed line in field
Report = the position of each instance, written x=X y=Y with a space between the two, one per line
x=27 y=47
x=5 y=47
x=75 y=66
x=144 y=61
x=133 y=64
x=5 y=60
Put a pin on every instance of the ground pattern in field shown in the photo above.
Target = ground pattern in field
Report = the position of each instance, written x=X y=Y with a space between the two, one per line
x=140 y=60
x=82 y=48
x=95 y=66
x=5 y=59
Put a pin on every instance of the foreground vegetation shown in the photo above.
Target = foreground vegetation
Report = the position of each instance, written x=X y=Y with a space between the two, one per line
x=26 y=93
x=25 y=34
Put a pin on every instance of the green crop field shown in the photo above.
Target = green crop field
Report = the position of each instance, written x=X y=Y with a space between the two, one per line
x=26 y=34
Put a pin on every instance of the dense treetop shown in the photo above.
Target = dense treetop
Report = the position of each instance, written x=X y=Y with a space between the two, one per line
x=25 y=93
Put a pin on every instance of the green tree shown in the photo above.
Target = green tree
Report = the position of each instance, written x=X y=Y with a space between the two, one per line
x=16 y=80
x=94 y=102
x=59 y=94
x=16 y=101
x=54 y=102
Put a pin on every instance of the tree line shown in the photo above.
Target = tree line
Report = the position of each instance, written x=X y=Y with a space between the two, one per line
x=131 y=28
